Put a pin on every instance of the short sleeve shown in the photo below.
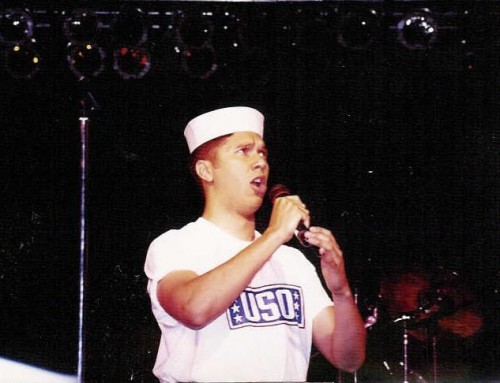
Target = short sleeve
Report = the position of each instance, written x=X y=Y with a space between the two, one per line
x=165 y=254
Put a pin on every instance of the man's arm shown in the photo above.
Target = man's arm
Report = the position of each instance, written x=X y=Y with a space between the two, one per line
x=196 y=300
x=338 y=331
x=339 y=334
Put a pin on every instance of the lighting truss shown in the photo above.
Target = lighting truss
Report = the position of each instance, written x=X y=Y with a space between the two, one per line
x=132 y=39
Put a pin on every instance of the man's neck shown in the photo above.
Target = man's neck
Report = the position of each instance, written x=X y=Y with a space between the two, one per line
x=240 y=227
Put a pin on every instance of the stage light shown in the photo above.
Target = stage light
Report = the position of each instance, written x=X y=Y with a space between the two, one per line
x=357 y=29
x=199 y=62
x=194 y=35
x=22 y=61
x=82 y=26
x=417 y=30
x=16 y=26
x=194 y=32
x=228 y=38
x=86 y=61
x=132 y=63
x=229 y=32
x=130 y=27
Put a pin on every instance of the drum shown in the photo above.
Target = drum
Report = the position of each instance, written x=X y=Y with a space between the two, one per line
x=420 y=327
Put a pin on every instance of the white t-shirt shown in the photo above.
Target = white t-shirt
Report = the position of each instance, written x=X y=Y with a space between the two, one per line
x=265 y=335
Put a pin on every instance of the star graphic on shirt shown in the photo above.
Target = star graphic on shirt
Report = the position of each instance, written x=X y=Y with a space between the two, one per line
x=238 y=319
x=296 y=295
x=296 y=306
x=235 y=308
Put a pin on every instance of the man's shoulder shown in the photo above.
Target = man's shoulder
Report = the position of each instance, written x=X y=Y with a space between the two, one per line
x=187 y=230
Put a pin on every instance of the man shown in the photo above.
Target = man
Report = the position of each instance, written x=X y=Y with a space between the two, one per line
x=236 y=305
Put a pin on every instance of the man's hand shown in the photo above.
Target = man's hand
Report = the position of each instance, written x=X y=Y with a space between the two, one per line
x=332 y=260
x=287 y=213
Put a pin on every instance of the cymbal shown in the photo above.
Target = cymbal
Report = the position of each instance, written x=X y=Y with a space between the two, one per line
x=436 y=301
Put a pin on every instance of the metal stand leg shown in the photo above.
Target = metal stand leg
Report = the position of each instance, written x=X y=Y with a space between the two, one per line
x=404 y=319
x=434 y=358
x=87 y=103
x=405 y=354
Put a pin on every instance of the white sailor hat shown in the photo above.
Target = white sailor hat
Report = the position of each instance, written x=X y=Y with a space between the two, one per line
x=223 y=121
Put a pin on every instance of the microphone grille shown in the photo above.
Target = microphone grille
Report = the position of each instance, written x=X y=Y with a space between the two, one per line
x=278 y=190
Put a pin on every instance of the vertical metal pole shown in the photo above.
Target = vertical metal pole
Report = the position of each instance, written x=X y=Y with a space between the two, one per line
x=356 y=298
x=405 y=354
x=434 y=358
x=83 y=241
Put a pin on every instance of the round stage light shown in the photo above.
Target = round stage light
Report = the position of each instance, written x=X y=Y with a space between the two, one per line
x=194 y=31
x=229 y=39
x=132 y=63
x=357 y=29
x=21 y=61
x=86 y=61
x=130 y=27
x=16 y=26
x=199 y=62
x=82 y=26
x=417 y=30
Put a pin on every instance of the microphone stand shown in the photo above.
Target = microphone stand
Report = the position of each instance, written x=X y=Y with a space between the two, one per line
x=356 y=298
x=87 y=104
x=404 y=319
x=434 y=358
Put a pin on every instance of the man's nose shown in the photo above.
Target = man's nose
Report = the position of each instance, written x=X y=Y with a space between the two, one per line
x=260 y=163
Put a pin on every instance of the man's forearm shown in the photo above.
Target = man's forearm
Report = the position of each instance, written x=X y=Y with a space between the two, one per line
x=197 y=300
x=349 y=340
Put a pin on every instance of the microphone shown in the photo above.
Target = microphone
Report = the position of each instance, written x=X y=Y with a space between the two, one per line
x=280 y=190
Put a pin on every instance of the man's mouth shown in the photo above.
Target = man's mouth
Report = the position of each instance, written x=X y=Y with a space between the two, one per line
x=259 y=183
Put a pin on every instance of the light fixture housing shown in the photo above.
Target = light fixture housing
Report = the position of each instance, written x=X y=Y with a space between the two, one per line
x=21 y=61
x=132 y=63
x=130 y=27
x=199 y=62
x=357 y=29
x=417 y=30
x=16 y=26
x=86 y=61
x=194 y=31
x=82 y=26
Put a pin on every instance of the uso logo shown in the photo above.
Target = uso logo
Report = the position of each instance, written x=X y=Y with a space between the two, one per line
x=267 y=306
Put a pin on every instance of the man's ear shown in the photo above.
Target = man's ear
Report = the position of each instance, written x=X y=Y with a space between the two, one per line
x=204 y=170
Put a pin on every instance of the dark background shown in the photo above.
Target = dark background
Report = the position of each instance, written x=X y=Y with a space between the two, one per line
x=395 y=150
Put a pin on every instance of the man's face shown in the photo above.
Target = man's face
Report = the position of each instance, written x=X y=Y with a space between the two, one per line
x=241 y=171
